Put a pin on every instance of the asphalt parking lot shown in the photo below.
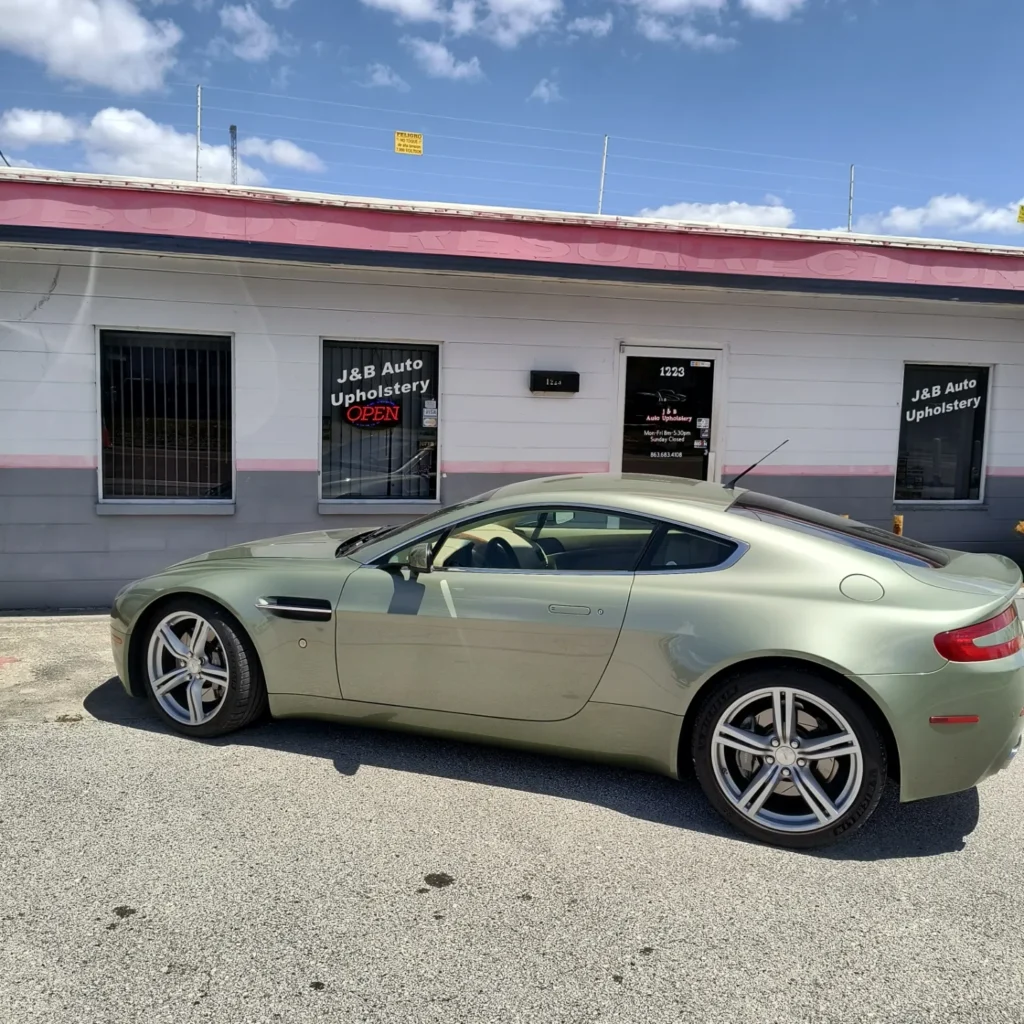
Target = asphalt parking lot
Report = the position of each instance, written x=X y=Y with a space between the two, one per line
x=307 y=871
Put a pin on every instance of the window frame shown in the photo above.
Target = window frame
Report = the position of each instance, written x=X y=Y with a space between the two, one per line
x=152 y=503
x=964 y=503
x=660 y=526
x=333 y=505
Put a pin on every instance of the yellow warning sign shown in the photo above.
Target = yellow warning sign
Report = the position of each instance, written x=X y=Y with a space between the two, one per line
x=410 y=143
x=1020 y=214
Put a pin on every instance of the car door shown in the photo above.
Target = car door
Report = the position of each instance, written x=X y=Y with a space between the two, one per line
x=497 y=628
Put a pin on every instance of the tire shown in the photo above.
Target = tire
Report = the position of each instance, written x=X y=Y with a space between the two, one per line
x=789 y=794
x=201 y=693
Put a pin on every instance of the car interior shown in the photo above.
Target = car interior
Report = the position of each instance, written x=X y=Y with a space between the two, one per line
x=575 y=540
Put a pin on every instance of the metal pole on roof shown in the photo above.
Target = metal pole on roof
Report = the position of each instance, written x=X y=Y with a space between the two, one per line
x=849 y=209
x=234 y=154
x=604 y=167
x=199 y=126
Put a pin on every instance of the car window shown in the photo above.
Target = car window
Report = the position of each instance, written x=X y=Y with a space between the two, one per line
x=677 y=548
x=547 y=539
x=802 y=519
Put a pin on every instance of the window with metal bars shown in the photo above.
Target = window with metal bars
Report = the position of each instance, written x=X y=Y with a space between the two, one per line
x=379 y=421
x=166 y=416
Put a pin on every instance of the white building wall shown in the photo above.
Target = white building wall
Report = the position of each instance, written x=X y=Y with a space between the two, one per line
x=824 y=371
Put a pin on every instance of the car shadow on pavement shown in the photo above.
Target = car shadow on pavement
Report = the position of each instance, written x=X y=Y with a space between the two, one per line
x=924 y=829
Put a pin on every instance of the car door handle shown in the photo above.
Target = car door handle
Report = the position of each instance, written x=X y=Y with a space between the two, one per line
x=568 y=609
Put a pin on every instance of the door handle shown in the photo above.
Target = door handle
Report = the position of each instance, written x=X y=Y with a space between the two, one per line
x=568 y=609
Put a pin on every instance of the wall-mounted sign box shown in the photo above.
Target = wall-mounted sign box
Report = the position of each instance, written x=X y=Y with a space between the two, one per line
x=561 y=382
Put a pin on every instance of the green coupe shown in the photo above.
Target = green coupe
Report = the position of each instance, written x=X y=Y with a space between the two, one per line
x=794 y=659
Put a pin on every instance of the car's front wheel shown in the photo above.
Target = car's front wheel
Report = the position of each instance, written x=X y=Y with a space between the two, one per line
x=202 y=674
x=788 y=757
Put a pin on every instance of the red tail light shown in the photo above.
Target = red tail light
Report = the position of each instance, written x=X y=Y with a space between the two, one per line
x=968 y=644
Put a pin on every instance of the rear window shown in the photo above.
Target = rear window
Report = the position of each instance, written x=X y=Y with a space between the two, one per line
x=804 y=519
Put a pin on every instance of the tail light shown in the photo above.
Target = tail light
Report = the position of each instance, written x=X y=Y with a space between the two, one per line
x=981 y=642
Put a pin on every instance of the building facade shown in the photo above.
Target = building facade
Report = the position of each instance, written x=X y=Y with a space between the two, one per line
x=183 y=367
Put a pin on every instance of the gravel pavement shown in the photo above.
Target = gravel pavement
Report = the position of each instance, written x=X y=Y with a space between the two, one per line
x=312 y=872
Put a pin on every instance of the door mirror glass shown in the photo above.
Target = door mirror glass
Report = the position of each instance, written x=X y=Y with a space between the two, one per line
x=419 y=558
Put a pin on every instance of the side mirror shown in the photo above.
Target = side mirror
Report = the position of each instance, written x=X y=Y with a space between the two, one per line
x=419 y=559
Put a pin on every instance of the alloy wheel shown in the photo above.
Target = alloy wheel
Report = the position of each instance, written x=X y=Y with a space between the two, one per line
x=187 y=668
x=787 y=760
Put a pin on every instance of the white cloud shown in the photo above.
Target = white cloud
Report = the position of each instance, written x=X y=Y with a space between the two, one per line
x=254 y=40
x=128 y=142
x=439 y=62
x=776 y=10
x=769 y=215
x=282 y=153
x=505 y=22
x=596 y=27
x=281 y=78
x=108 y=43
x=944 y=215
x=546 y=91
x=281 y=5
x=20 y=128
x=660 y=30
x=381 y=76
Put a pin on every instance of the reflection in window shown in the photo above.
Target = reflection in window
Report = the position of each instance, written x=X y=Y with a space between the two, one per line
x=566 y=540
x=165 y=407
x=379 y=409
x=942 y=433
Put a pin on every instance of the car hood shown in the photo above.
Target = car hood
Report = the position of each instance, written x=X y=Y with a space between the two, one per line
x=314 y=545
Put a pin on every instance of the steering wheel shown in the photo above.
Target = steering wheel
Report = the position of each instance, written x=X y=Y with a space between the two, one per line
x=498 y=554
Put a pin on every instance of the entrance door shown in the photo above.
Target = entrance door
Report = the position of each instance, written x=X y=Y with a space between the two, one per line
x=668 y=412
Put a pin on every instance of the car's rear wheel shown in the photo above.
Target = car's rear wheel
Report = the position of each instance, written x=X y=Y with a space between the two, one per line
x=202 y=674
x=788 y=757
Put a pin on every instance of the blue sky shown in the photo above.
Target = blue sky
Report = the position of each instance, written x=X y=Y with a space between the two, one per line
x=745 y=111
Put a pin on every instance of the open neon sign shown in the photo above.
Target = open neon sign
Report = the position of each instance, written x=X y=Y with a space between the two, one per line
x=369 y=415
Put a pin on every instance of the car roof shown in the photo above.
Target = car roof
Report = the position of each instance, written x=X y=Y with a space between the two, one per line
x=611 y=486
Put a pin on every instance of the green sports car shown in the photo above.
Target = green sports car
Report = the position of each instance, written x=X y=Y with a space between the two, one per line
x=794 y=659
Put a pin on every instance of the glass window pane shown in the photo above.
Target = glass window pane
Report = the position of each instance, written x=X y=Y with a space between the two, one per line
x=165 y=409
x=380 y=413
x=942 y=433
x=678 y=548
x=566 y=540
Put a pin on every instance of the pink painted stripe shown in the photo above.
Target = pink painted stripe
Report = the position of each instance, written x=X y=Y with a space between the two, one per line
x=1006 y=470
x=274 y=220
x=47 y=462
x=538 y=468
x=276 y=465
x=813 y=470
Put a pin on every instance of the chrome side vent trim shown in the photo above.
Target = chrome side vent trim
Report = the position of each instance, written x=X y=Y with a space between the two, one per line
x=304 y=608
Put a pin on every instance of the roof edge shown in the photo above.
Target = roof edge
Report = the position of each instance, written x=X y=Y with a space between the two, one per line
x=515 y=214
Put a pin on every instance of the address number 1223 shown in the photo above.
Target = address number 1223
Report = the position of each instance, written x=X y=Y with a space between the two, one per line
x=673 y=371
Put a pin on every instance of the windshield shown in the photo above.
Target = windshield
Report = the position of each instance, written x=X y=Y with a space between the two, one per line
x=804 y=519
x=384 y=533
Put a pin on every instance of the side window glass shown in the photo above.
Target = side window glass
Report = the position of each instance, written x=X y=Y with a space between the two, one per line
x=552 y=539
x=678 y=548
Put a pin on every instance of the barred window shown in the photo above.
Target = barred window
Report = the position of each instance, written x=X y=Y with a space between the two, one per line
x=166 y=415
x=379 y=421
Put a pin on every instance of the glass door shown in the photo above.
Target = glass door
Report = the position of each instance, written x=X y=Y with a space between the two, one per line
x=667 y=415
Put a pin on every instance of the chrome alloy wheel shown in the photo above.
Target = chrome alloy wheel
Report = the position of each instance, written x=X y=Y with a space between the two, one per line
x=787 y=760
x=187 y=668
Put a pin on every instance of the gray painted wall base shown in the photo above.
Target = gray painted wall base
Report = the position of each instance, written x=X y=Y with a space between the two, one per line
x=56 y=552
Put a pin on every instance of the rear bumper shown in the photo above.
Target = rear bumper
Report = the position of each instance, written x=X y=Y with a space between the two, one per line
x=936 y=760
